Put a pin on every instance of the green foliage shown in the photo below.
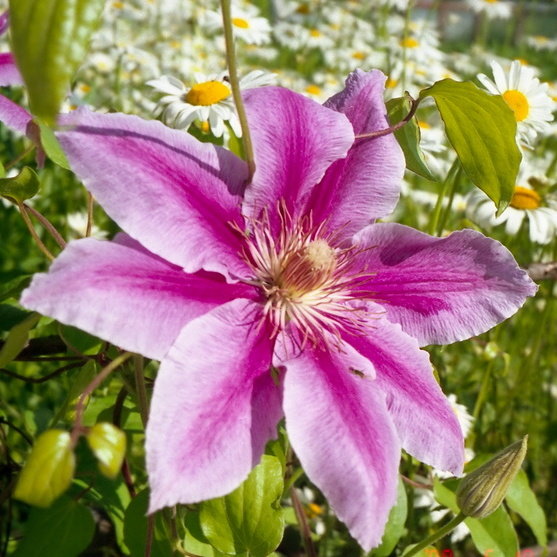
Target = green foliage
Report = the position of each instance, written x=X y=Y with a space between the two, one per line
x=51 y=146
x=21 y=187
x=395 y=526
x=495 y=532
x=249 y=519
x=17 y=339
x=63 y=530
x=482 y=129
x=49 y=41
x=408 y=136
x=48 y=471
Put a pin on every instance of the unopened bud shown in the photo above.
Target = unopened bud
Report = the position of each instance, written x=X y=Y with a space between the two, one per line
x=482 y=491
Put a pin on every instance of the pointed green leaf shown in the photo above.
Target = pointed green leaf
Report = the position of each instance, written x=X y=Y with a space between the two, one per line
x=12 y=287
x=108 y=444
x=49 y=41
x=482 y=130
x=21 y=187
x=52 y=147
x=48 y=471
x=249 y=519
x=395 y=525
x=522 y=500
x=63 y=530
x=17 y=339
x=408 y=136
x=494 y=534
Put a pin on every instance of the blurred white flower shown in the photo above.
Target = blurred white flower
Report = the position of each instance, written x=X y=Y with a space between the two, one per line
x=493 y=9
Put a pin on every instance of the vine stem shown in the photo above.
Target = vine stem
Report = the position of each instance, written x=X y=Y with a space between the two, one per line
x=80 y=406
x=442 y=532
x=38 y=241
x=90 y=206
x=47 y=225
x=235 y=86
x=141 y=392
x=302 y=521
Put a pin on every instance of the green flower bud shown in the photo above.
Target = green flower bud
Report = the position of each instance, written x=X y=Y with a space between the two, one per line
x=482 y=491
x=108 y=443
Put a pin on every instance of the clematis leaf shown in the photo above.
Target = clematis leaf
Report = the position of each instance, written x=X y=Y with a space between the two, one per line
x=49 y=41
x=494 y=533
x=21 y=187
x=408 y=136
x=17 y=339
x=108 y=444
x=248 y=519
x=48 y=471
x=63 y=530
x=52 y=147
x=522 y=500
x=394 y=529
x=482 y=129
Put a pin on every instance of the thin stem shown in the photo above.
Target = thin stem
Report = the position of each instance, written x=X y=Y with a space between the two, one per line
x=395 y=127
x=117 y=420
x=80 y=406
x=90 y=205
x=442 y=532
x=33 y=232
x=15 y=428
x=302 y=521
x=235 y=86
x=150 y=536
x=59 y=371
x=433 y=225
x=48 y=226
x=19 y=157
x=141 y=392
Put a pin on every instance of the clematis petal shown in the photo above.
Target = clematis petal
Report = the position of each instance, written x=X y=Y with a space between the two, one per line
x=125 y=295
x=214 y=407
x=9 y=74
x=427 y=427
x=295 y=140
x=366 y=184
x=14 y=116
x=339 y=427
x=442 y=290
x=174 y=194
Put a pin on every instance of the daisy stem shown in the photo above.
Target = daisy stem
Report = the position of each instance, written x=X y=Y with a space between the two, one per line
x=442 y=532
x=235 y=86
x=434 y=223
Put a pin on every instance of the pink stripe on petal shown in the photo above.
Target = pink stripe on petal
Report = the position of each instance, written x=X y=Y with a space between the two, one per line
x=214 y=407
x=13 y=116
x=426 y=424
x=126 y=296
x=366 y=184
x=442 y=290
x=339 y=427
x=174 y=194
x=295 y=140
x=9 y=74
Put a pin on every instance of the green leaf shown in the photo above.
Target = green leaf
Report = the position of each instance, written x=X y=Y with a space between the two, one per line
x=49 y=41
x=63 y=530
x=17 y=339
x=395 y=525
x=135 y=529
x=494 y=534
x=249 y=519
x=51 y=146
x=12 y=287
x=48 y=471
x=21 y=187
x=108 y=444
x=482 y=129
x=408 y=136
x=195 y=541
x=522 y=500
x=80 y=340
x=10 y=316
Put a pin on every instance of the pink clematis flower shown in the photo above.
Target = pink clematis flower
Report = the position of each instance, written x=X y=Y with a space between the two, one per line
x=277 y=299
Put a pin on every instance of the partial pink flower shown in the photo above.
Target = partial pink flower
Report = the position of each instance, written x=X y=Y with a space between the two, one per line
x=279 y=298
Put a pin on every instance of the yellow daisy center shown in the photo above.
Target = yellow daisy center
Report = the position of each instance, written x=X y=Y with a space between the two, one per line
x=241 y=23
x=525 y=198
x=207 y=93
x=491 y=1
x=359 y=55
x=409 y=42
x=313 y=90
x=518 y=103
x=391 y=83
x=315 y=33
x=424 y=125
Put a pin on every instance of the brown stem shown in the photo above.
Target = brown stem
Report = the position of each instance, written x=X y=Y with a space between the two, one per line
x=150 y=532
x=117 y=421
x=90 y=205
x=59 y=371
x=19 y=157
x=49 y=227
x=302 y=521
x=395 y=127
x=419 y=485
x=38 y=241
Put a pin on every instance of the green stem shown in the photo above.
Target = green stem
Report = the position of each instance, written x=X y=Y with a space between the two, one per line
x=235 y=85
x=434 y=223
x=141 y=392
x=29 y=224
x=442 y=532
x=447 y=211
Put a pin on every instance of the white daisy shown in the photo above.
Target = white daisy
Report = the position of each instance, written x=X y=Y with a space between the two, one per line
x=525 y=95
x=209 y=100
x=493 y=9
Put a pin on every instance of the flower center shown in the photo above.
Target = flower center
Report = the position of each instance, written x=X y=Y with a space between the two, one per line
x=315 y=33
x=409 y=42
x=241 y=23
x=207 y=93
x=518 y=103
x=359 y=55
x=313 y=89
x=525 y=198
x=305 y=281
